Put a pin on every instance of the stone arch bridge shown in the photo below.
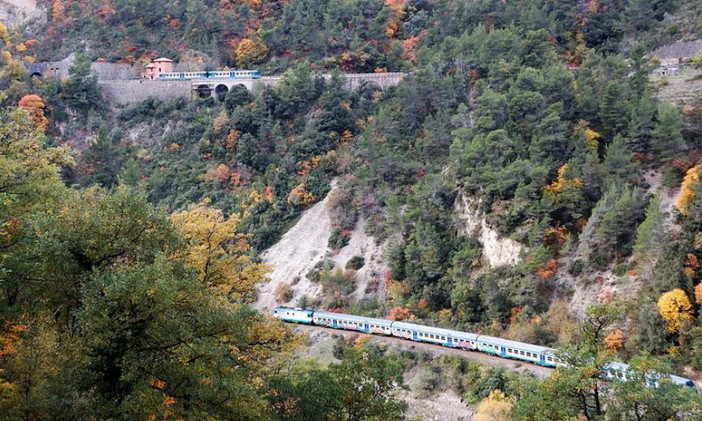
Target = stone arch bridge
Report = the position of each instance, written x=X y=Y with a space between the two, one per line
x=218 y=88
x=124 y=92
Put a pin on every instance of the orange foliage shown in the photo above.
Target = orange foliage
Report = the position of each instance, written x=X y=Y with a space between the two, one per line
x=410 y=48
x=691 y=265
x=346 y=63
x=422 y=304
x=107 y=11
x=232 y=138
x=235 y=178
x=554 y=237
x=35 y=106
x=547 y=271
x=300 y=196
x=158 y=384
x=399 y=313
x=10 y=338
x=396 y=5
x=615 y=340
x=687 y=189
x=514 y=314
x=219 y=174
x=268 y=194
x=698 y=293
x=58 y=13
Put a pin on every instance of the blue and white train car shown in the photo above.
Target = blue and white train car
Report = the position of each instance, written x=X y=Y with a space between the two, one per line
x=351 y=322
x=435 y=335
x=615 y=370
x=220 y=74
x=517 y=350
x=295 y=315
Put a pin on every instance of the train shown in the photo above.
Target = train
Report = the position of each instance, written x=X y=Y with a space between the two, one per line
x=504 y=348
x=220 y=74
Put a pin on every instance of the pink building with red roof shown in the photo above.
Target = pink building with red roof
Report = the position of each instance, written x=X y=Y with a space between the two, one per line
x=156 y=67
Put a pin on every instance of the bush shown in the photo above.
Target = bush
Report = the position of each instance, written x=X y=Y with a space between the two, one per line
x=576 y=269
x=283 y=293
x=338 y=239
x=355 y=263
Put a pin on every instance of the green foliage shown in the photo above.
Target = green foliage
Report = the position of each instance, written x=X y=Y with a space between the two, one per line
x=355 y=263
x=360 y=387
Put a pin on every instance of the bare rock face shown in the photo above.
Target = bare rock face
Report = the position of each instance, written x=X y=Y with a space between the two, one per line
x=498 y=251
x=14 y=13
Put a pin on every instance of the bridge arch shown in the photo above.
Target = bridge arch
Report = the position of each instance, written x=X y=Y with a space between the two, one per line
x=37 y=75
x=368 y=88
x=221 y=92
x=204 y=91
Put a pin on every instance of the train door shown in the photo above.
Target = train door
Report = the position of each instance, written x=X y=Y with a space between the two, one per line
x=503 y=351
x=367 y=327
x=542 y=359
x=334 y=325
x=414 y=335
x=448 y=341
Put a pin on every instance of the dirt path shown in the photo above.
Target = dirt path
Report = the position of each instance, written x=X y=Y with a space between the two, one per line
x=435 y=350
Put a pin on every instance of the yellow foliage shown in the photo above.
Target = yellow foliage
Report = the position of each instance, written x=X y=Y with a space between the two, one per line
x=496 y=407
x=563 y=183
x=687 y=188
x=250 y=51
x=675 y=308
x=217 y=251
x=593 y=138
x=4 y=34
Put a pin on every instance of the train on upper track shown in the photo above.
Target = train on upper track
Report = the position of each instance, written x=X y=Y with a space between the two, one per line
x=220 y=74
x=504 y=348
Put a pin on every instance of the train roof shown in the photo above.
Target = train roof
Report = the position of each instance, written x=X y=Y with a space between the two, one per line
x=514 y=344
x=291 y=308
x=435 y=330
x=352 y=318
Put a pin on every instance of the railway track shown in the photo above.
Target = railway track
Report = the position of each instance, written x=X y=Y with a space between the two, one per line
x=434 y=350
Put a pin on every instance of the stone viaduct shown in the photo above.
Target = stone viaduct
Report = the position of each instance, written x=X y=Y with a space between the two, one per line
x=120 y=84
x=123 y=92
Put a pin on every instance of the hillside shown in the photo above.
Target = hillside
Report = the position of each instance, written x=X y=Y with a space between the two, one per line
x=535 y=176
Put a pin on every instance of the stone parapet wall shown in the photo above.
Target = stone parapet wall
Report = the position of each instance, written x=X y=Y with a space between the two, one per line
x=123 y=92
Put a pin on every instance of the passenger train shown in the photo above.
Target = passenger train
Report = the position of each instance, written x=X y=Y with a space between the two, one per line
x=535 y=354
x=220 y=74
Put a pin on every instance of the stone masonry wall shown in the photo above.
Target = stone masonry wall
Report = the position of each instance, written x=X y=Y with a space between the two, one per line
x=123 y=92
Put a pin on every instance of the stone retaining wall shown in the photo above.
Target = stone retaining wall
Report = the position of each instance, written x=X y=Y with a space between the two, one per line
x=123 y=92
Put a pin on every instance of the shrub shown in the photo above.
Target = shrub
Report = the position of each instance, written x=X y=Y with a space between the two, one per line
x=338 y=239
x=355 y=263
x=283 y=293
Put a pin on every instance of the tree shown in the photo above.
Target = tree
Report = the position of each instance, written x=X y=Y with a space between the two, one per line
x=675 y=308
x=495 y=407
x=667 y=141
x=35 y=106
x=687 y=189
x=218 y=252
x=649 y=395
x=81 y=91
x=237 y=96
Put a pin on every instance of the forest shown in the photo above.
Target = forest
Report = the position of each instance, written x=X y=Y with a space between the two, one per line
x=130 y=237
